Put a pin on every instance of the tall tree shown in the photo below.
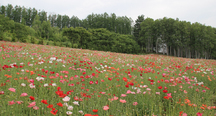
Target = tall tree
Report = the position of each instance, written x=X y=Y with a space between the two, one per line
x=29 y=14
x=43 y=16
x=3 y=10
x=24 y=15
x=74 y=21
x=137 y=29
x=65 y=21
x=52 y=19
x=17 y=13
x=46 y=29
x=59 y=21
x=147 y=34
x=33 y=15
x=37 y=26
x=9 y=11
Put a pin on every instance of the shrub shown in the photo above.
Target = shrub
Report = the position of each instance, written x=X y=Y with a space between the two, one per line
x=75 y=45
x=41 y=41
x=7 y=36
x=33 y=40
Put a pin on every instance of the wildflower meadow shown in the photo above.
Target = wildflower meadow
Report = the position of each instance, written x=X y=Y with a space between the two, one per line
x=43 y=80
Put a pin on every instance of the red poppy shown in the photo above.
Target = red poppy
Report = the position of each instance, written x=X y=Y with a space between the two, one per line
x=180 y=113
x=58 y=88
x=32 y=98
x=91 y=82
x=95 y=115
x=125 y=79
x=95 y=110
x=131 y=84
x=165 y=91
x=80 y=99
x=50 y=106
x=110 y=79
x=1 y=92
x=166 y=97
x=44 y=101
x=54 y=112
x=76 y=98
x=127 y=86
x=93 y=74
x=60 y=104
x=160 y=87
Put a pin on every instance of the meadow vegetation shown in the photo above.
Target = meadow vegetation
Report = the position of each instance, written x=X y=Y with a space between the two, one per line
x=38 y=80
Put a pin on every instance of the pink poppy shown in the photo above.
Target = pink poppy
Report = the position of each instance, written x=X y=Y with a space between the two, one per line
x=23 y=94
x=66 y=99
x=128 y=91
x=35 y=107
x=115 y=98
x=135 y=103
x=31 y=104
x=122 y=101
x=105 y=108
x=19 y=102
x=12 y=89
x=123 y=95
x=11 y=102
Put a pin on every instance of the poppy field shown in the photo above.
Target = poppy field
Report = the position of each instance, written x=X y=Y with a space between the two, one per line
x=42 y=80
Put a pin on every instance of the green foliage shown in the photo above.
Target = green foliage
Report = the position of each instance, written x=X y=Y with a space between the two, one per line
x=137 y=28
x=105 y=40
x=78 y=36
x=75 y=45
x=50 y=43
x=108 y=32
x=21 y=32
x=1 y=32
x=64 y=39
x=41 y=41
x=7 y=36
x=33 y=40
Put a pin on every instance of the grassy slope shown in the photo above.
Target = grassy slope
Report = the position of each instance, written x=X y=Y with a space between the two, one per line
x=114 y=72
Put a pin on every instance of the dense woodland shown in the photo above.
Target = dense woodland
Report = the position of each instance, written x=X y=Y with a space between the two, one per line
x=108 y=32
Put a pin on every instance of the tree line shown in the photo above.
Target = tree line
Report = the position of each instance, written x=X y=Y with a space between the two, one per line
x=109 y=32
x=175 y=37
x=97 y=32
x=118 y=24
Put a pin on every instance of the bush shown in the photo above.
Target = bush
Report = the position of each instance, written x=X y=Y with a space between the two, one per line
x=50 y=43
x=33 y=40
x=14 y=39
x=69 y=44
x=41 y=41
x=7 y=36
x=75 y=45
x=56 y=43
x=64 y=39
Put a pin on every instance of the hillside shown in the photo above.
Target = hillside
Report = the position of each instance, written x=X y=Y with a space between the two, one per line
x=38 y=80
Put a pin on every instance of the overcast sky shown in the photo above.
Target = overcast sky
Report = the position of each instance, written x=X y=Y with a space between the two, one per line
x=202 y=11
